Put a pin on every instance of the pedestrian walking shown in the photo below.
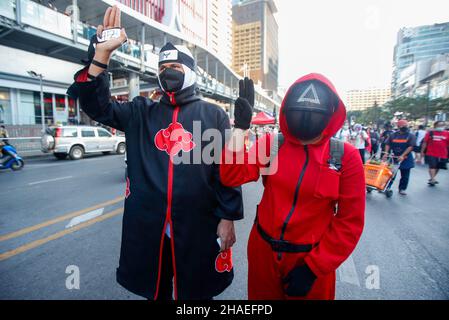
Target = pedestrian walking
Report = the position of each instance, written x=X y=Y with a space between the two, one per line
x=420 y=135
x=435 y=150
x=359 y=139
x=344 y=134
x=388 y=130
x=375 y=139
x=401 y=144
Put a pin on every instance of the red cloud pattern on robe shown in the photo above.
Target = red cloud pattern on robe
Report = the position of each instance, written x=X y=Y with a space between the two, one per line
x=174 y=139
x=223 y=262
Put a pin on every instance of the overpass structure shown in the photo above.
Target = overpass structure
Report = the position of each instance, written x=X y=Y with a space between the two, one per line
x=30 y=26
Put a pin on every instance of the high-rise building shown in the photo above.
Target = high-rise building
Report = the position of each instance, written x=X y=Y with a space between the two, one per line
x=363 y=99
x=255 y=41
x=208 y=22
x=418 y=44
x=220 y=29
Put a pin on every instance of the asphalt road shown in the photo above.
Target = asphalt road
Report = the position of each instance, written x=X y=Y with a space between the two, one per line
x=58 y=214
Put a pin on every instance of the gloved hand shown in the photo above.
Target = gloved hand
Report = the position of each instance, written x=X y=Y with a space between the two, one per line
x=243 y=111
x=299 y=281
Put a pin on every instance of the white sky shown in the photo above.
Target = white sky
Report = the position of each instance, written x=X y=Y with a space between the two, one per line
x=349 y=41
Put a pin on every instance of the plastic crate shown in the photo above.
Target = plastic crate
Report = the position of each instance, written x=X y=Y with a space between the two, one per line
x=377 y=175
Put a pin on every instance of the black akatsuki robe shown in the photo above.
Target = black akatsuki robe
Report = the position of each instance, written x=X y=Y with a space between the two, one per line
x=188 y=197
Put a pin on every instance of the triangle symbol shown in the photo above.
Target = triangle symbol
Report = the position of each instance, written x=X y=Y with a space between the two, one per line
x=309 y=95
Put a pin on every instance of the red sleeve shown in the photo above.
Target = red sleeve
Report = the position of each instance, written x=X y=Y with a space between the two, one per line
x=238 y=168
x=346 y=227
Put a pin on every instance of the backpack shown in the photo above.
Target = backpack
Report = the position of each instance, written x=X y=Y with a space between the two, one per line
x=336 y=151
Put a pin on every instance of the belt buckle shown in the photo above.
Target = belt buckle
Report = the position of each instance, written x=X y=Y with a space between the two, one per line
x=277 y=244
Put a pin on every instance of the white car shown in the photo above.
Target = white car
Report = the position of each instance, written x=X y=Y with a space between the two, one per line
x=76 y=141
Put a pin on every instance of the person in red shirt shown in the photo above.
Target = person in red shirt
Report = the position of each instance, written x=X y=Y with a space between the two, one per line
x=311 y=215
x=436 y=149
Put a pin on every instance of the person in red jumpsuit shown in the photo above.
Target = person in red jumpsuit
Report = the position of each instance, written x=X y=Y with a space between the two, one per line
x=311 y=215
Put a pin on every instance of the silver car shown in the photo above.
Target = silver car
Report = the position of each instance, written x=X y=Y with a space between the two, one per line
x=76 y=141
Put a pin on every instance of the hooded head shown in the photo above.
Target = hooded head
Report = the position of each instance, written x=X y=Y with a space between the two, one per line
x=176 y=68
x=311 y=110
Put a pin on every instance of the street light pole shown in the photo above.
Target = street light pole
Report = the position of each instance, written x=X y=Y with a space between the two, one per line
x=42 y=103
x=40 y=76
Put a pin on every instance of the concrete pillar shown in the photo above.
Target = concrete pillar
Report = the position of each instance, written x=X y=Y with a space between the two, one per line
x=18 y=12
x=195 y=59
x=224 y=78
x=231 y=109
x=216 y=75
x=75 y=20
x=133 y=85
x=142 y=50
x=207 y=70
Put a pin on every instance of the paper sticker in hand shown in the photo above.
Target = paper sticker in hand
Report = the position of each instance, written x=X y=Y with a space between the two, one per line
x=109 y=34
x=174 y=139
x=223 y=262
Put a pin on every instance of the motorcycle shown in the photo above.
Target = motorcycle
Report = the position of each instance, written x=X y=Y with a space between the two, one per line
x=10 y=159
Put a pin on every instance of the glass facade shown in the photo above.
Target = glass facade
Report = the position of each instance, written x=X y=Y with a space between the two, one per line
x=5 y=106
x=418 y=44
x=23 y=107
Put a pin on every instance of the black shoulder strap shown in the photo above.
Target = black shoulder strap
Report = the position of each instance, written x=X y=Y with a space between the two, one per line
x=336 y=152
x=278 y=141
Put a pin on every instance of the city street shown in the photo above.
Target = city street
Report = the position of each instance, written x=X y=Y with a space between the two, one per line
x=55 y=214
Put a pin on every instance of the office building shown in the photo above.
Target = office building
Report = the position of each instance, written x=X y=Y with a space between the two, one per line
x=255 y=41
x=363 y=99
x=417 y=44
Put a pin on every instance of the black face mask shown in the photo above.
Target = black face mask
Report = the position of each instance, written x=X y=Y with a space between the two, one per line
x=308 y=109
x=171 y=80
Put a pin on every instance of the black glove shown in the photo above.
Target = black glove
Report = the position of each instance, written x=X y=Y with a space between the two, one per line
x=243 y=111
x=299 y=281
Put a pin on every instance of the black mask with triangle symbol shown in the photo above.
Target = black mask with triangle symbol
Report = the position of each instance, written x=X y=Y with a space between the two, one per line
x=308 y=109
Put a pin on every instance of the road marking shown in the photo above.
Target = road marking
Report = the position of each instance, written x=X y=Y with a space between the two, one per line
x=49 y=180
x=37 y=243
x=84 y=217
x=58 y=219
x=348 y=273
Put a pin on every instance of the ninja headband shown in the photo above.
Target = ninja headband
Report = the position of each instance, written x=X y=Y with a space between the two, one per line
x=169 y=53
x=312 y=96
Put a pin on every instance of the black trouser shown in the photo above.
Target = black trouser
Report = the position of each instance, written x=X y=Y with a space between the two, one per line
x=405 y=177
x=166 y=277
x=362 y=155
x=374 y=149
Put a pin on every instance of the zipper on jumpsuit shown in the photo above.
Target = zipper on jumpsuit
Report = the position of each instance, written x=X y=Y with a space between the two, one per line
x=168 y=214
x=295 y=198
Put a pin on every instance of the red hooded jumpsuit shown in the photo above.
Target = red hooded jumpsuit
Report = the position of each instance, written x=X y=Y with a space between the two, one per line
x=301 y=198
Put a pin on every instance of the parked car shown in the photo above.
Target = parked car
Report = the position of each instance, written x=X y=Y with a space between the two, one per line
x=76 y=141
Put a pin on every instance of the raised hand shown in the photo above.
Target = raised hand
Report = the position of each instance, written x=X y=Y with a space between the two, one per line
x=244 y=104
x=112 y=19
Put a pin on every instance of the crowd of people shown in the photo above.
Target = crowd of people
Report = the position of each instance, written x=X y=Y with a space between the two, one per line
x=404 y=144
